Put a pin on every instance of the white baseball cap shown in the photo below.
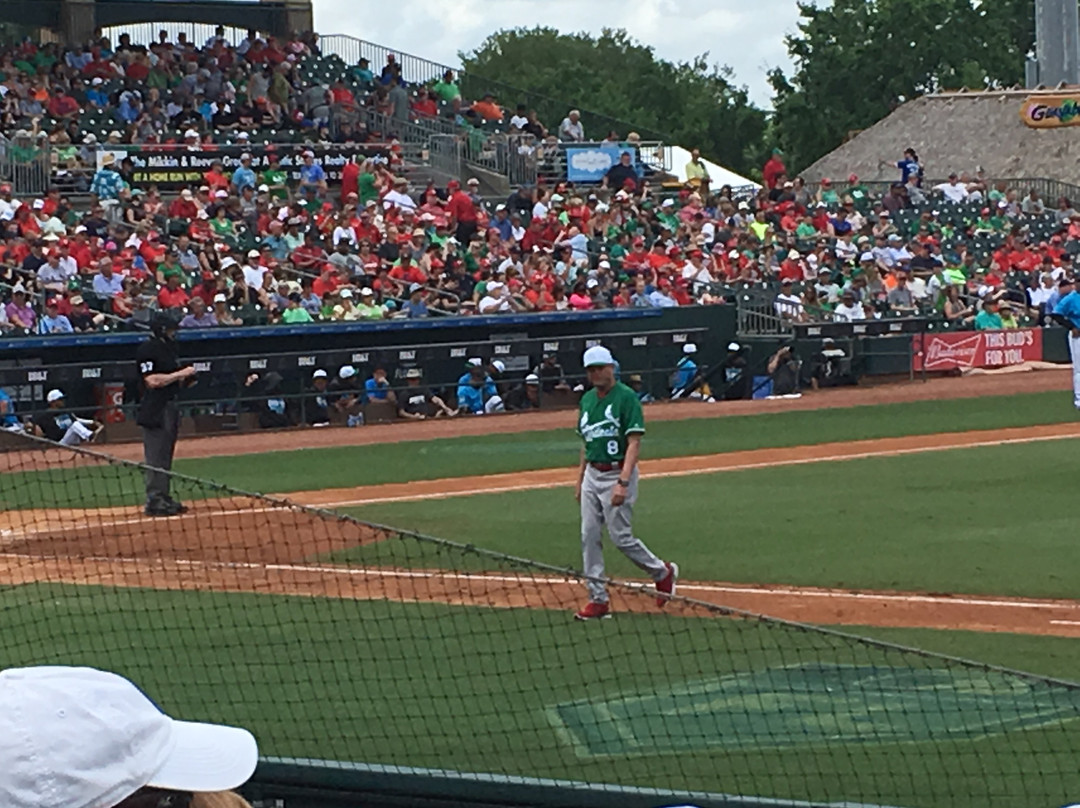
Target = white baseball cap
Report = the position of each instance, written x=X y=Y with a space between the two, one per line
x=499 y=365
x=319 y=374
x=88 y=738
x=689 y=348
x=54 y=395
x=347 y=372
x=734 y=346
x=597 y=355
x=532 y=378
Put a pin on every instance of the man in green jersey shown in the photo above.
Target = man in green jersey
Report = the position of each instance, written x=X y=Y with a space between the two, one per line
x=611 y=424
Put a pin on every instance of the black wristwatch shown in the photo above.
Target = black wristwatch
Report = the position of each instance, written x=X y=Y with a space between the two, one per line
x=624 y=483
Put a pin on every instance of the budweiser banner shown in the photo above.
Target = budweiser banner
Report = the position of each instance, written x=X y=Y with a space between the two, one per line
x=177 y=166
x=977 y=349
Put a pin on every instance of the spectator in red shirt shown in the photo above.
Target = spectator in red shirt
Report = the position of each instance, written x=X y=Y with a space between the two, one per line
x=309 y=254
x=408 y=272
x=425 y=105
x=538 y=295
x=327 y=282
x=791 y=268
x=138 y=70
x=350 y=181
x=774 y=169
x=184 y=207
x=340 y=94
x=215 y=178
x=52 y=201
x=62 y=105
x=171 y=295
x=487 y=109
x=462 y=211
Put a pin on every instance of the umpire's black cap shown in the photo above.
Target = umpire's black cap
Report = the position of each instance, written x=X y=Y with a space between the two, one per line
x=164 y=320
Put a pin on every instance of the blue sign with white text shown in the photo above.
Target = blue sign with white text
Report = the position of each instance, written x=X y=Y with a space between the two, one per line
x=590 y=163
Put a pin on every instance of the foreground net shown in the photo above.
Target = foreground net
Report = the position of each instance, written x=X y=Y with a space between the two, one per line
x=333 y=639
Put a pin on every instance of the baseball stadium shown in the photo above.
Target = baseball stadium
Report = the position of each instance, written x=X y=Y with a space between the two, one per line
x=320 y=386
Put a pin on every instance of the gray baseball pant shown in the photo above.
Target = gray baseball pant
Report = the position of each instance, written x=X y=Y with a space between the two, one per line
x=158 y=445
x=596 y=511
x=1074 y=352
x=77 y=433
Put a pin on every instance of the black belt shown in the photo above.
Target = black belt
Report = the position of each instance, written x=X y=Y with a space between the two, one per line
x=607 y=466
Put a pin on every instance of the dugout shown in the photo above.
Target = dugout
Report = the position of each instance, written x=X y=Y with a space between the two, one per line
x=97 y=373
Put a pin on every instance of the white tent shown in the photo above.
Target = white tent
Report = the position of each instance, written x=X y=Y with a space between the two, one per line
x=718 y=175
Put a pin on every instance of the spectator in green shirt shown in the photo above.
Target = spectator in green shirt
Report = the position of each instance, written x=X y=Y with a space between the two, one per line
x=362 y=73
x=276 y=179
x=366 y=186
x=294 y=312
x=445 y=88
x=988 y=319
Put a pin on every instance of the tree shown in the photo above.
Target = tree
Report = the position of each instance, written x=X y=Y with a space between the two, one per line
x=619 y=85
x=857 y=59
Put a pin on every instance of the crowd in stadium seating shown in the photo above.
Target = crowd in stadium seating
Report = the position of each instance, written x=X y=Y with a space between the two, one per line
x=248 y=245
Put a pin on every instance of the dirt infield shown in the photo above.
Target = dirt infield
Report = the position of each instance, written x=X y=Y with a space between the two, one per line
x=237 y=545
x=519 y=590
x=933 y=389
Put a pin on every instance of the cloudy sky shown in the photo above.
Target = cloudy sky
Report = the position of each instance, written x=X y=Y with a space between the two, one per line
x=748 y=36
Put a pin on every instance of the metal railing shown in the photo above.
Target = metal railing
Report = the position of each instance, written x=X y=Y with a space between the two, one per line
x=445 y=154
x=756 y=314
x=417 y=70
x=26 y=163
x=197 y=33
x=1048 y=189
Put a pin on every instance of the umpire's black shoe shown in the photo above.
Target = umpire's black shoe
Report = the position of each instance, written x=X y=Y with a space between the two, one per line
x=180 y=507
x=164 y=508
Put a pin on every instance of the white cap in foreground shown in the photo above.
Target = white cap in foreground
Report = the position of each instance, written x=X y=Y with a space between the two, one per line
x=597 y=355
x=87 y=738
x=54 y=395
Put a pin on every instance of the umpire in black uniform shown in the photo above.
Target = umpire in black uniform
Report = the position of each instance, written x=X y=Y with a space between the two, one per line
x=162 y=377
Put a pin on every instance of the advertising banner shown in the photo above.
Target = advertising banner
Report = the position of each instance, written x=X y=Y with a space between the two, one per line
x=174 y=167
x=977 y=349
x=1050 y=111
x=591 y=163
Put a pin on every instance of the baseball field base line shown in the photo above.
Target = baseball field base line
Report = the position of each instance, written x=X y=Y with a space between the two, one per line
x=521 y=590
x=20 y=525
x=697 y=464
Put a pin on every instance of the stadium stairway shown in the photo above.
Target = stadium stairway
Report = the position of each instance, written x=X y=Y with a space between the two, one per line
x=341 y=52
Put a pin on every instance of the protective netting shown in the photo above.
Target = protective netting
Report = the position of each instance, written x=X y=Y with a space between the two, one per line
x=334 y=639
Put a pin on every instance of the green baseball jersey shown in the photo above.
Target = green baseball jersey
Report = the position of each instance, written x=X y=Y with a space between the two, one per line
x=604 y=423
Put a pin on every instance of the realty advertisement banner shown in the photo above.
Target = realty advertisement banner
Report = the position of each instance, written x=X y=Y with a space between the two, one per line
x=174 y=167
x=977 y=349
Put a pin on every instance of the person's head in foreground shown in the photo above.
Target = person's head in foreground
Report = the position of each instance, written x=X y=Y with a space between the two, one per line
x=600 y=368
x=84 y=738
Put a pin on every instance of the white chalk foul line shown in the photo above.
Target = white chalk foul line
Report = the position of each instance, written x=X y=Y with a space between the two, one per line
x=794 y=461
x=553 y=580
x=8 y=537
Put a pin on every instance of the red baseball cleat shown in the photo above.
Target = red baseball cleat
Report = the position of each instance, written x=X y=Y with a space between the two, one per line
x=593 y=611
x=665 y=587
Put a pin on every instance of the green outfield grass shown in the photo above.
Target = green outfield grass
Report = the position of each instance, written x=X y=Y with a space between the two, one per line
x=989 y=520
x=476 y=689
x=313 y=469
